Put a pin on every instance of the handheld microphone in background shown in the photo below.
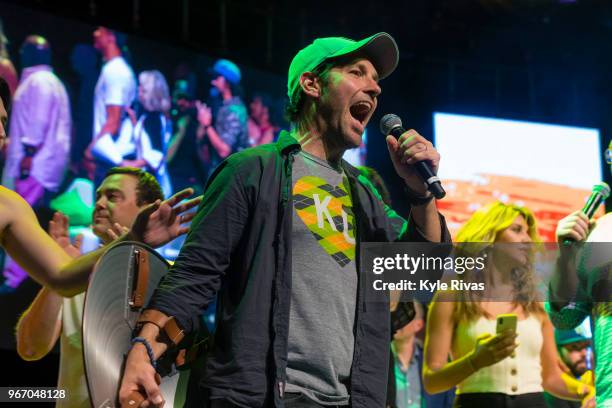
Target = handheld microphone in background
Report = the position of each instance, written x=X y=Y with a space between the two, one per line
x=601 y=191
x=391 y=124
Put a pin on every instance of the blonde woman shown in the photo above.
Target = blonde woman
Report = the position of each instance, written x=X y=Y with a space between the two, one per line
x=153 y=128
x=488 y=369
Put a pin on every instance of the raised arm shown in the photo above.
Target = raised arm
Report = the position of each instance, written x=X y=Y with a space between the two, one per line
x=29 y=245
x=206 y=129
x=564 y=283
x=40 y=325
x=409 y=149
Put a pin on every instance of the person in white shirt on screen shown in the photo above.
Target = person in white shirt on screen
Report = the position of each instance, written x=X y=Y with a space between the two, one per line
x=115 y=91
x=40 y=126
x=40 y=134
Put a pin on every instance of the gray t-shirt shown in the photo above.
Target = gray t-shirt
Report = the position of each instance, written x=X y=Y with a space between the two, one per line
x=324 y=283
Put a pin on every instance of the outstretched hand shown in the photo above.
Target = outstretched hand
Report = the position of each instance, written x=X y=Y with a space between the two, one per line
x=162 y=221
x=58 y=230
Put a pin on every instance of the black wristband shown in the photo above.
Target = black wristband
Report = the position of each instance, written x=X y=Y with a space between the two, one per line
x=29 y=150
x=416 y=200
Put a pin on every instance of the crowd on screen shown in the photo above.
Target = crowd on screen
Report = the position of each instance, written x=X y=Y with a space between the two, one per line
x=117 y=117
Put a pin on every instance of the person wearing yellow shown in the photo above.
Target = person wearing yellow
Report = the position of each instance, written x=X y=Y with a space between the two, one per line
x=509 y=368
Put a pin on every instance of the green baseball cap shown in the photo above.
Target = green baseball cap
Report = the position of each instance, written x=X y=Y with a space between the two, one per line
x=380 y=49
x=563 y=337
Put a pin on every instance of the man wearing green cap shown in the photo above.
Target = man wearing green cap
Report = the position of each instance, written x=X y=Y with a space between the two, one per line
x=277 y=237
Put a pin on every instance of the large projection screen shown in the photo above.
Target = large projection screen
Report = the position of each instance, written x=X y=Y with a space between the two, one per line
x=551 y=169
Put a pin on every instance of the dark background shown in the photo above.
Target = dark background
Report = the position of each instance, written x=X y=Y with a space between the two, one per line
x=536 y=60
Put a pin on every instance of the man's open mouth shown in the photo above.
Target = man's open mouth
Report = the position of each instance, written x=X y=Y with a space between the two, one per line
x=361 y=110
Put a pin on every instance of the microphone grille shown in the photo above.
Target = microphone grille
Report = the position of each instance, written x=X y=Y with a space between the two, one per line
x=603 y=189
x=388 y=122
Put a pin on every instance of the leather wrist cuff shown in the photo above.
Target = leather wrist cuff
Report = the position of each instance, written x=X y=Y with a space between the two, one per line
x=167 y=326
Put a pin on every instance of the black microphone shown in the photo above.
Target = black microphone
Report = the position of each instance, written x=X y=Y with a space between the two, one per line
x=601 y=191
x=391 y=124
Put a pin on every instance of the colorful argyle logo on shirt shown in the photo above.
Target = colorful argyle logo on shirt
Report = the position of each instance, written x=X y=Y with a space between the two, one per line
x=327 y=211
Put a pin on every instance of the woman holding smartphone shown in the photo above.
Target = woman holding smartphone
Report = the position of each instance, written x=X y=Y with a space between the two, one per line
x=511 y=368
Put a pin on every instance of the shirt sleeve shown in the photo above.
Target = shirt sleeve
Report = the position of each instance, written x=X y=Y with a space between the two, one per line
x=194 y=279
x=566 y=314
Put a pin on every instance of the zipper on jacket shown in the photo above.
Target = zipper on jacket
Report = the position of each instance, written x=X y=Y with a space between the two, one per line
x=285 y=211
x=281 y=389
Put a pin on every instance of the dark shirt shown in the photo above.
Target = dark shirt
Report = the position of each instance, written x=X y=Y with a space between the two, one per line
x=554 y=402
x=186 y=168
x=240 y=246
x=231 y=126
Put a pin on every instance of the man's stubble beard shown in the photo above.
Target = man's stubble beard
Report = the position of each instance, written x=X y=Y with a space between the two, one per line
x=334 y=139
